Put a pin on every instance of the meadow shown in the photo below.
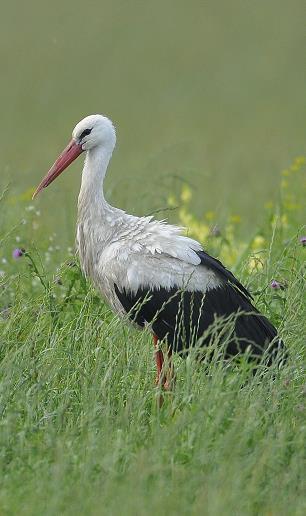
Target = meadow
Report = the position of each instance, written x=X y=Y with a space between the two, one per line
x=208 y=104
x=81 y=426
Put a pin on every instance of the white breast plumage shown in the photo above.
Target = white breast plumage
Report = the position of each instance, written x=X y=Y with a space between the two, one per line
x=142 y=253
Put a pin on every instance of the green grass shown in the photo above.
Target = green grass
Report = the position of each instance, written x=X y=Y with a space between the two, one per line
x=81 y=428
x=207 y=95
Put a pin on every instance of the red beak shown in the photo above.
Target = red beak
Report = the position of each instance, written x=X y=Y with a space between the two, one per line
x=69 y=154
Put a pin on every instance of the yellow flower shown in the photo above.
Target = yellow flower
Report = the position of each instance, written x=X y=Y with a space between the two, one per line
x=202 y=232
x=298 y=163
x=255 y=264
x=235 y=219
x=185 y=217
x=300 y=160
x=269 y=205
x=292 y=206
x=284 y=220
x=186 y=194
x=258 y=242
x=210 y=215
x=295 y=168
x=171 y=201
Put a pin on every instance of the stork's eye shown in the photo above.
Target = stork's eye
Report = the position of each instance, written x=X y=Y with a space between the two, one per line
x=86 y=132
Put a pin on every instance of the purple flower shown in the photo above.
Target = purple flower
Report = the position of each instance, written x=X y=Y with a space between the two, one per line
x=18 y=253
x=276 y=285
x=303 y=241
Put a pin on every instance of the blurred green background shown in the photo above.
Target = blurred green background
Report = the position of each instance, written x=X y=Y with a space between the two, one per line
x=210 y=92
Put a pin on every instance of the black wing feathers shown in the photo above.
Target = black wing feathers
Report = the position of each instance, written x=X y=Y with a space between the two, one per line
x=182 y=317
x=223 y=272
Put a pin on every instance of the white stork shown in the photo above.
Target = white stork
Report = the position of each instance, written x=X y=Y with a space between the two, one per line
x=148 y=269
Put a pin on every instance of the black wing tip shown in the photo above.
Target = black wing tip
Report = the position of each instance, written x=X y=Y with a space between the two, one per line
x=227 y=275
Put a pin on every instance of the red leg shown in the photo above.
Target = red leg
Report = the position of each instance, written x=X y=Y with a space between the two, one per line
x=159 y=357
x=163 y=378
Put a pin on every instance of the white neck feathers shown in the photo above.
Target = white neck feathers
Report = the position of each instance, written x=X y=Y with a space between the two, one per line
x=91 y=196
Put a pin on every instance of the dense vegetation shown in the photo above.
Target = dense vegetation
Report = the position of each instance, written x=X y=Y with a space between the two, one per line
x=81 y=426
x=207 y=100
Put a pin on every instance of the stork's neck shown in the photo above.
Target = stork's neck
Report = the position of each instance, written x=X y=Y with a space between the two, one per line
x=91 y=196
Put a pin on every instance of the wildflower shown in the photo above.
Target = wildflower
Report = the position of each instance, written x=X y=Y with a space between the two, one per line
x=210 y=215
x=255 y=264
x=276 y=285
x=281 y=221
x=186 y=194
x=296 y=165
x=258 y=242
x=300 y=160
x=235 y=219
x=18 y=253
x=172 y=202
x=269 y=205
x=303 y=241
x=185 y=217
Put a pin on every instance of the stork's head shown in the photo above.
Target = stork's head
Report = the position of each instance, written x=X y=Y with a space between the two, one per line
x=93 y=131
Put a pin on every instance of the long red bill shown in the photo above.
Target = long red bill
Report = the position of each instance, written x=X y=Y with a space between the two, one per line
x=69 y=154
